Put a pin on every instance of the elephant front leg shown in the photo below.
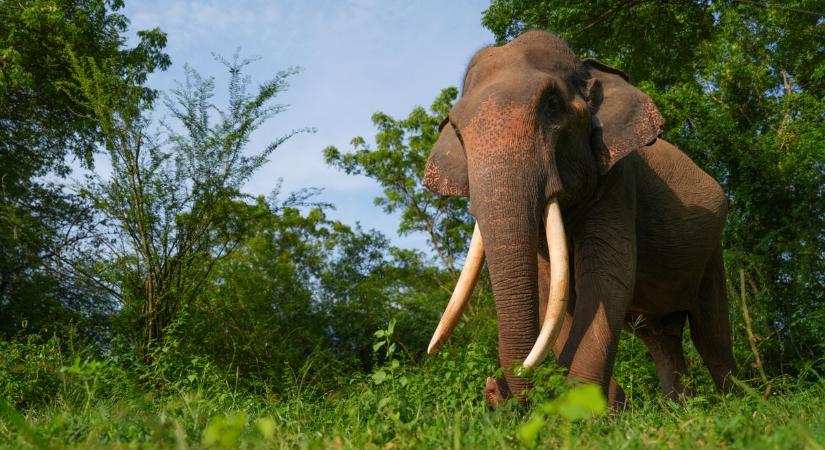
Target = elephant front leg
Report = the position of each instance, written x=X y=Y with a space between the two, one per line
x=590 y=351
x=604 y=268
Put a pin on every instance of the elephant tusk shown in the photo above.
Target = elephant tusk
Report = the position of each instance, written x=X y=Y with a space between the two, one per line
x=461 y=294
x=559 y=282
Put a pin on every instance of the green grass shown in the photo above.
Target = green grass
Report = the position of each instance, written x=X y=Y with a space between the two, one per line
x=437 y=403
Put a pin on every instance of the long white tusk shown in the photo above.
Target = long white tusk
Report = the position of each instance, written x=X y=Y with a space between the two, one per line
x=461 y=294
x=559 y=282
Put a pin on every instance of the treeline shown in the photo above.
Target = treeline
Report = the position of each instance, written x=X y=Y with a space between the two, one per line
x=165 y=260
x=156 y=255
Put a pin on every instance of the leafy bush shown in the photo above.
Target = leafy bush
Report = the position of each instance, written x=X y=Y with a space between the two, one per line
x=30 y=371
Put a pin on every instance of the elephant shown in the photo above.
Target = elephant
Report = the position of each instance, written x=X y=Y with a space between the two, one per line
x=587 y=219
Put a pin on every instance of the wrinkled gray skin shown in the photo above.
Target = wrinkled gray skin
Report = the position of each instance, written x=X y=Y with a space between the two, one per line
x=643 y=222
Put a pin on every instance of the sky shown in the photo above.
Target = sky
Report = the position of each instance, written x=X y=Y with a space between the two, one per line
x=357 y=56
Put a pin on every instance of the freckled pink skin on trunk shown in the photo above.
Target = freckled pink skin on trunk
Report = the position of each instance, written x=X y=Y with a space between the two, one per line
x=500 y=143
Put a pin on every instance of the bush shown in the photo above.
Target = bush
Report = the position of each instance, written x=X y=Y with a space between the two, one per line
x=30 y=372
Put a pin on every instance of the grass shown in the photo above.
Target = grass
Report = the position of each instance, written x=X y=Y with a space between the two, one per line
x=86 y=403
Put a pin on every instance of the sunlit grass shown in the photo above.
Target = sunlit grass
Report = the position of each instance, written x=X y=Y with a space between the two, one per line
x=86 y=403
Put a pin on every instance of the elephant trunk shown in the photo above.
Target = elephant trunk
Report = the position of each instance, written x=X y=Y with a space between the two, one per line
x=511 y=178
x=510 y=228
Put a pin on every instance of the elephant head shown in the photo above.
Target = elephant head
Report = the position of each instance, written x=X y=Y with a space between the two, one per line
x=527 y=141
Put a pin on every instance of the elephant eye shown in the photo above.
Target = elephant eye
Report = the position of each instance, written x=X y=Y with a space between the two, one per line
x=552 y=101
x=552 y=98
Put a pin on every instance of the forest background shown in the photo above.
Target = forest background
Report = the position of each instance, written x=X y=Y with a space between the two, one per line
x=154 y=302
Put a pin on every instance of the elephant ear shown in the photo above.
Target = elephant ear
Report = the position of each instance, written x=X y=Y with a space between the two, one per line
x=624 y=118
x=446 y=170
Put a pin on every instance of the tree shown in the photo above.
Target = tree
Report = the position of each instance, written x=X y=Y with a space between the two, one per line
x=397 y=164
x=172 y=208
x=256 y=313
x=647 y=39
x=406 y=285
x=40 y=128
x=302 y=290
x=741 y=87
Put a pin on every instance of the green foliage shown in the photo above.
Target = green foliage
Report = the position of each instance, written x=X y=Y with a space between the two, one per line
x=269 y=298
x=397 y=164
x=41 y=225
x=224 y=432
x=31 y=371
x=436 y=404
x=36 y=41
x=581 y=402
x=172 y=208
x=8 y=413
x=301 y=284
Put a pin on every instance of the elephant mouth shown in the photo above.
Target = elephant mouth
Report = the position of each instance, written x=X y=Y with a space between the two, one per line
x=557 y=299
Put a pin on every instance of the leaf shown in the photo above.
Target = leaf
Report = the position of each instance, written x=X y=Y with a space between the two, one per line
x=266 y=426
x=379 y=376
x=383 y=402
x=224 y=432
x=529 y=431
x=582 y=402
x=13 y=416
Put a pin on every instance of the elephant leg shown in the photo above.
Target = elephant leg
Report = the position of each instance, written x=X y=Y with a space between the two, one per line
x=590 y=350
x=710 y=324
x=603 y=294
x=663 y=340
x=604 y=268
x=616 y=394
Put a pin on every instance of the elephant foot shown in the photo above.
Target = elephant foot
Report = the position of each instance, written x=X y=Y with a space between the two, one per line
x=616 y=397
x=497 y=392
x=494 y=393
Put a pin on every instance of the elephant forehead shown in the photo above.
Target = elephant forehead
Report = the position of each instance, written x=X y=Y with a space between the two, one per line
x=501 y=131
x=536 y=50
x=544 y=51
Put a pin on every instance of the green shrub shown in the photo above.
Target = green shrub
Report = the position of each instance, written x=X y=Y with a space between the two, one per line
x=30 y=373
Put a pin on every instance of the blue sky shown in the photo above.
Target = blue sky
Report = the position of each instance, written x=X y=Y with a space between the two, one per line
x=358 y=57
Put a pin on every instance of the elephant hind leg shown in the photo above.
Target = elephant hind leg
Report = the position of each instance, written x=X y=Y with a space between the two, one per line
x=663 y=340
x=615 y=395
x=710 y=324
